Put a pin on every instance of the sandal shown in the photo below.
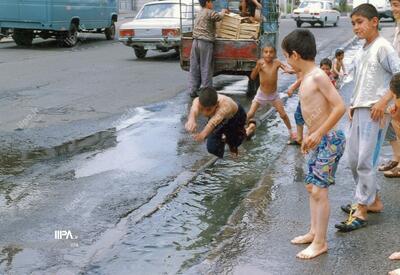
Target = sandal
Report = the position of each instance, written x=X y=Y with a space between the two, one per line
x=352 y=223
x=393 y=173
x=388 y=165
x=293 y=142
x=349 y=208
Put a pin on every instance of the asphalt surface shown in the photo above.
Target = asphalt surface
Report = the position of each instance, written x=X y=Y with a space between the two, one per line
x=92 y=141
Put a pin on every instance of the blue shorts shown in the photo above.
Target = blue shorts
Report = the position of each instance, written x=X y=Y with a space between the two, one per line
x=298 y=117
x=324 y=159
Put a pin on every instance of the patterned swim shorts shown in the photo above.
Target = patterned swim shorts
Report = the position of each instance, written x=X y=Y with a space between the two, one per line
x=324 y=159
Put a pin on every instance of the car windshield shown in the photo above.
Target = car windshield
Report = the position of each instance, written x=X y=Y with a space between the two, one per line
x=311 y=5
x=162 y=10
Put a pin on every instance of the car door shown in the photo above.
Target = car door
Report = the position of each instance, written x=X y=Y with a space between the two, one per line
x=33 y=10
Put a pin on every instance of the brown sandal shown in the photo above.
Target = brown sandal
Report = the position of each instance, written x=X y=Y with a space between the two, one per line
x=394 y=173
x=388 y=165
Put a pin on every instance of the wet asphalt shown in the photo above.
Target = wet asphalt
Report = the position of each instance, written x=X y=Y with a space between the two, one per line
x=93 y=143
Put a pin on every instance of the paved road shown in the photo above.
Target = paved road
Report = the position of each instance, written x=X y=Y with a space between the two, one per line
x=102 y=186
x=57 y=95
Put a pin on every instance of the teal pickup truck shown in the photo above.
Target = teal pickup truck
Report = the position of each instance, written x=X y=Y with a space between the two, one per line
x=62 y=19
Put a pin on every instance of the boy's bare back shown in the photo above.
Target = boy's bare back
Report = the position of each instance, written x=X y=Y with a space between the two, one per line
x=316 y=93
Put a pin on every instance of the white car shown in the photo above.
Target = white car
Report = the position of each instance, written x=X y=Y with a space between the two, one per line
x=157 y=26
x=316 y=12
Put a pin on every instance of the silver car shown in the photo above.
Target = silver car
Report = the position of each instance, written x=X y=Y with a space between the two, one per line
x=157 y=26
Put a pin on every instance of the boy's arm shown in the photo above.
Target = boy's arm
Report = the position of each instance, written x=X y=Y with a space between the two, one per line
x=256 y=70
x=191 y=124
x=390 y=61
x=334 y=68
x=286 y=68
x=338 y=109
x=294 y=86
x=258 y=5
x=215 y=16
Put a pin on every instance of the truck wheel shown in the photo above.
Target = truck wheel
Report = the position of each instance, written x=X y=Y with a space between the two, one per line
x=140 y=53
x=23 y=37
x=298 y=24
x=252 y=87
x=70 y=38
x=110 y=32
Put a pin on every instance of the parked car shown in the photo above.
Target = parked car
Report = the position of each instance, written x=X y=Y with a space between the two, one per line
x=383 y=7
x=61 y=19
x=157 y=26
x=316 y=12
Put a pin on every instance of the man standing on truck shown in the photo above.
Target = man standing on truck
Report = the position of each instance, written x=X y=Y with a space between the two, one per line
x=201 y=55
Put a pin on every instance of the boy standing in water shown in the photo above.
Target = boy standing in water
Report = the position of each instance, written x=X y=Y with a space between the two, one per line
x=226 y=117
x=374 y=65
x=322 y=108
x=267 y=68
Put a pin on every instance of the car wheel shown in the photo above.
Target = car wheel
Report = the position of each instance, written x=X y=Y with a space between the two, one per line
x=110 y=32
x=70 y=38
x=298 y=24
x=337 y=20
x=140 y=53
x=322 y=23
x=312 y=24
x=23 y=37
x=177 y=50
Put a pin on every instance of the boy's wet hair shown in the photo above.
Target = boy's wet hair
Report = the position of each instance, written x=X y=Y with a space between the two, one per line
x=326 y=61
x=208 y=97
x=339 y=52
x=365 y=10
x=203 y=2
x=269 y=45
x=301 y=41
x=395 y=85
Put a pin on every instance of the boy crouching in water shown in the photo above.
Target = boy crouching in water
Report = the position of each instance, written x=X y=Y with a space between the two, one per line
x=267 y=68
x=322 y=108
x=226 y=123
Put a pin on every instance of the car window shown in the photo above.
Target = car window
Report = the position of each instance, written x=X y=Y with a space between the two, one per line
x=161 y=10
x=311 y=5
x=329 y=6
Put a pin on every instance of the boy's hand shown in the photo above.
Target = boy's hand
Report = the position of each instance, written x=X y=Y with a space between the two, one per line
x=351 y=111
x=290 y=91
x=378 y=110
x=199 y=137
x=311 y=141
x=191 y=126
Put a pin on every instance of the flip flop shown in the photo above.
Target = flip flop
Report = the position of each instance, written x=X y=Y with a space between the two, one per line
x=393 y=173
x=349 y=208
x=388 y=165
x=353 y=223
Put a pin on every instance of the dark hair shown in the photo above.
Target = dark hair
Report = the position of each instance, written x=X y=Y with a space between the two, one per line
x=339 y=52
x=203 y=2
x=269 y=45
x=326 y=61
x=208 y=97
x=301 y=41
x=395 y=84
x=365 y=10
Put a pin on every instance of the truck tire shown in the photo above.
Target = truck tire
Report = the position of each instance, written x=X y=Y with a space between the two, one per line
x=140 y=53
x=69 y=38
x=252 y=87
x=110 y=32
x=23 y=37
x=298 y=24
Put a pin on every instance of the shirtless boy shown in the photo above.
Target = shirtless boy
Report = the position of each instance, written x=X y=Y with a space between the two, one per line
x=322 y=108
x=267 y=68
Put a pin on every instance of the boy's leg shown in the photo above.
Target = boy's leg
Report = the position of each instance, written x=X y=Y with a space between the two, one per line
x=392 y=139
x=235 y=131
x=309 y=236
x=251 y=127
x=215 y=145
x=206 y=49
x=298 y=117
x=195 y=76
x=278 y=105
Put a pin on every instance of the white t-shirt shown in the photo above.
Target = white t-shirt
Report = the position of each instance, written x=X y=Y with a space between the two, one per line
x=374 y=66
x=396 y=41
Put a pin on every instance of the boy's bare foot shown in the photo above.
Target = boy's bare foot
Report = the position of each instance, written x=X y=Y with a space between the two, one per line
x=251 y=129
x=303 y=239
x=395 y=272
x=395 y=256
x=376 y=206
x=312 y=251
